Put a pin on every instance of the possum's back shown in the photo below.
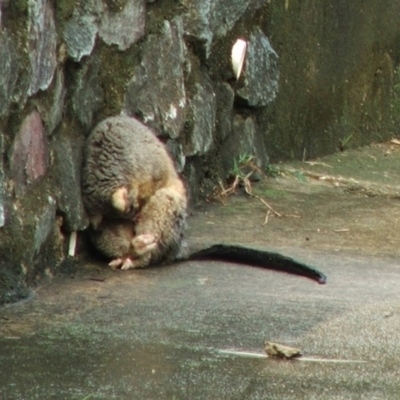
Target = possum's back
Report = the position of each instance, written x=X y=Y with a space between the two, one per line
x=122 y=148
x=122 y=152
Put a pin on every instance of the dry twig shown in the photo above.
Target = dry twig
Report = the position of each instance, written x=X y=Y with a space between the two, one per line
x=245 y=180
x=247 y=188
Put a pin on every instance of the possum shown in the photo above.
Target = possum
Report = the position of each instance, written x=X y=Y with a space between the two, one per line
x=137 y=204
x=125 y=166
x=134 y=198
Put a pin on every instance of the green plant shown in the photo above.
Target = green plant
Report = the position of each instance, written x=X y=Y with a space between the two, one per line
x=345 y=141
x=272 y=170
x=244 y=160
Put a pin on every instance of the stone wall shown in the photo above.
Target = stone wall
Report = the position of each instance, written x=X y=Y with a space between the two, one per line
x=316 y=75
x=339 y=76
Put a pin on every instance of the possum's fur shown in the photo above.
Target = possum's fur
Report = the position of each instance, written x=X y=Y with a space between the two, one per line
x=135 y=200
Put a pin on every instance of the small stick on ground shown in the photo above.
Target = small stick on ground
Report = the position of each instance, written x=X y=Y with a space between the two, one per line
x=266 y=217
x=247 y=188
x=232 y=188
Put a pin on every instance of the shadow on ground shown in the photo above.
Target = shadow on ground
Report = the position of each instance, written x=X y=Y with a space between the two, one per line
x=157 y=333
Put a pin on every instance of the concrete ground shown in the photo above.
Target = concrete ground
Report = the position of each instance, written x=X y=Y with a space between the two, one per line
x=161 y=333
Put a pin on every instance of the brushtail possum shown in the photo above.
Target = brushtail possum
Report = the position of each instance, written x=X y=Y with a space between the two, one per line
x=137 y=204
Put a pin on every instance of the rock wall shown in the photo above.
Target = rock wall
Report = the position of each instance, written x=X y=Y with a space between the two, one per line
x=339 y=76
x=317 y=75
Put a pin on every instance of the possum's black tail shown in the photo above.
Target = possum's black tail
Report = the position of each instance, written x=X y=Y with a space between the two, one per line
x=258 y=258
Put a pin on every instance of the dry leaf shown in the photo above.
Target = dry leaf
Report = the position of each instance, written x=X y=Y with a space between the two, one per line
x=238 y=56
x=281 y=351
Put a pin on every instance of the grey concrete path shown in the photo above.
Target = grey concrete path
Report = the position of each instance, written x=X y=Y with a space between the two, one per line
x=158 y=333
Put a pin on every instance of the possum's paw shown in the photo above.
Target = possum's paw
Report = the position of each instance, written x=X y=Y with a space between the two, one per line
x=122 y=263
x=144 y=243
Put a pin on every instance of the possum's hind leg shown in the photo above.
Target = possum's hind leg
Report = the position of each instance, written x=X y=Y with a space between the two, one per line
x=114 y=240
x=163 y=217
x=134 y=258
x=140 y=255
x=117 y=240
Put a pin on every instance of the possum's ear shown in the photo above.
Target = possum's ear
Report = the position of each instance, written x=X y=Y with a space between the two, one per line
x=125 y=200
x=119 y=199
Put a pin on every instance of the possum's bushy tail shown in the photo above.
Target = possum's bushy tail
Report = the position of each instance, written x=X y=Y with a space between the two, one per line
x=258 y=258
